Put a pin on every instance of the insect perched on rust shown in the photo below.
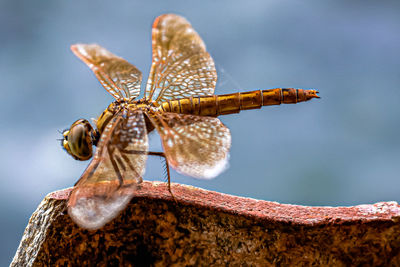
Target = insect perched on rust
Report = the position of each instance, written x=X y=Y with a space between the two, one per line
x=178 y=102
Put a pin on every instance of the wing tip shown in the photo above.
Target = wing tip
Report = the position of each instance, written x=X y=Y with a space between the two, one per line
x=206 y=172
x=93 y=210
x=217 y=169
x=92 y=214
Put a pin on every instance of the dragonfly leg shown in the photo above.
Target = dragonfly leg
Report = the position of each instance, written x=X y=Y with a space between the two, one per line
x=128 y=161
x=159 y=154
x=115 y=166
x=162 y=154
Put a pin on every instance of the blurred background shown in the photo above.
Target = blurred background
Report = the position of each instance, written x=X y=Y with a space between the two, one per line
x=342 y=149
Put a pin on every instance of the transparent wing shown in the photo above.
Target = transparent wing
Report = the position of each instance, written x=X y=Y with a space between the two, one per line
x=120 y=78
x=194 y=145
x=109 y=181
x=181 y=66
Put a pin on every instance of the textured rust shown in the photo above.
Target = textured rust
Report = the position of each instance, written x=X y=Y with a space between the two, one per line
x=210 y=228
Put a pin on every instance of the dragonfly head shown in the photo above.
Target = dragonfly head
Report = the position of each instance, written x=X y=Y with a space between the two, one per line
x=79 y=140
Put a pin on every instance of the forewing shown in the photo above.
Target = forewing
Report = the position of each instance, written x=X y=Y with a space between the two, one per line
x=120 y=78
x=107 y=185
x=194 y=145
x=181 y=66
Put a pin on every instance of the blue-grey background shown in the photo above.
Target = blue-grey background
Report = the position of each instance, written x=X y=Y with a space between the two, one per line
x=343 y=149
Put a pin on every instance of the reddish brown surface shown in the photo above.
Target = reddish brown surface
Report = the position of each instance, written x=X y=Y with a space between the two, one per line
x=264 y=210
x=206 y=228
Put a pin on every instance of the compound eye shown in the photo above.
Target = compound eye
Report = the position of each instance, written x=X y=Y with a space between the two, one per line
x=78 y=140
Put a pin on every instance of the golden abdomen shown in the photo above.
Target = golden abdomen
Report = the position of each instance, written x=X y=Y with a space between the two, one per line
x=216 y=105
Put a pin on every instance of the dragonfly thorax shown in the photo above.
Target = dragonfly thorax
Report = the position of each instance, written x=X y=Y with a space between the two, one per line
x=79 y=139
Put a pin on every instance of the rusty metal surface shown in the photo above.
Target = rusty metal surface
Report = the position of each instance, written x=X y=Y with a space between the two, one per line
x=206 y=228
x=264 y=210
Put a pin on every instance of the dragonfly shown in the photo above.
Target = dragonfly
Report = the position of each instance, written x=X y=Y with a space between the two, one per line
x=179 y=103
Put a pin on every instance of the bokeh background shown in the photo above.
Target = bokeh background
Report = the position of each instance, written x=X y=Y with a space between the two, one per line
x=343 y=149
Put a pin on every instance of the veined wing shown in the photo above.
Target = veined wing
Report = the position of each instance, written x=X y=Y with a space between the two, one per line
x=107 y=185
x=194 y=145
x=181 y=66
x=120 y=78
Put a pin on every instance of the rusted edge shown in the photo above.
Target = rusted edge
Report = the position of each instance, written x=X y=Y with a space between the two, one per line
x=260 y=209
